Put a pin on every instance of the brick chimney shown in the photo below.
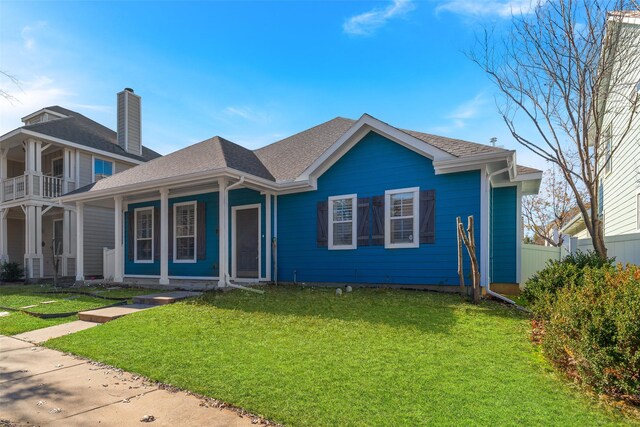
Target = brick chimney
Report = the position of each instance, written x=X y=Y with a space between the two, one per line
x=130 y=121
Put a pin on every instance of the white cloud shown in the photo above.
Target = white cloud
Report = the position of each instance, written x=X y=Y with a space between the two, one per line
x=28 y=36
x=503 y=9
x=367 y=23
x=462 y=114
x=247 y=113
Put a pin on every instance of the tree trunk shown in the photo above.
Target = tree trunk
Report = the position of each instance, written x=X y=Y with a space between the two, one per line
x=597 y=239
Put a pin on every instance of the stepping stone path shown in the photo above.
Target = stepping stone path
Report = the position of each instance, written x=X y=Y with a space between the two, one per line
x=142 y=302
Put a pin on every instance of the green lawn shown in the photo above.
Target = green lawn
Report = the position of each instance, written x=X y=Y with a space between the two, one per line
x=25 y=295
x=371 y=357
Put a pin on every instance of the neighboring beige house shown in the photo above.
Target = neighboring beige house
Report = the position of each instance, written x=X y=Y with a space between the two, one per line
x=620 y=182
x=54 y=152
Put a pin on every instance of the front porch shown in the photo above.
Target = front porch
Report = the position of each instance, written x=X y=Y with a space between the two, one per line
x=39 y=237
x=198 y=237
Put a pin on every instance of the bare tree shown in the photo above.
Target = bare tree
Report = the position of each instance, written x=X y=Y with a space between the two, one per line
x=6 y=95
x=550 y=210
x=565 y=68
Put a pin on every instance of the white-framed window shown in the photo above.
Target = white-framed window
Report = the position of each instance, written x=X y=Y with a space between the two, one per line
x=143 y=222
x=184 y=232
x=608 y=141
x=57 y=167
x=101 y=168
x=342 y=224
x=401 y=208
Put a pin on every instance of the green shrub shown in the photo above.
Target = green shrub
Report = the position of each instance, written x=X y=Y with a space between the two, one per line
x=11 y=272
x=593 y=330
x=541 y=290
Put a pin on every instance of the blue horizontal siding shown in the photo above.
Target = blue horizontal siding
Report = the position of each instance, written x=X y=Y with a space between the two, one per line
x=207 y=267
x=504 y=236
x=373 y=165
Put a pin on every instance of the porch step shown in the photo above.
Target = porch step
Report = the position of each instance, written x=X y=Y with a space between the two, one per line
x=103 y=315
x=164 y=297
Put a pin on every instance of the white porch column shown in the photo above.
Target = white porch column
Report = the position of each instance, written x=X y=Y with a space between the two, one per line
x=4 y=248
x=29 y=240
x=223 y=233
x=268 y=235
x=118 y=262
x=66 y=246
x=79 y=242
x=3 y=171
x=164 y=236
x=68 y=160
x=38 y=243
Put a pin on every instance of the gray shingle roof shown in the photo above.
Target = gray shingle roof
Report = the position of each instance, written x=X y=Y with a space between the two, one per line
x=289 y=157
x=209 y=155
x=524 y=170
x=82 y=130
x=282 y=161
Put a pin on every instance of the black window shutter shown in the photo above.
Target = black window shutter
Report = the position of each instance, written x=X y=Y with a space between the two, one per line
x=428 y=216
x=377 y=220
x=322 y=213
x=363 y=221
x=130 y=235
x=202 y=230
x=170 y=232
x=156 y=233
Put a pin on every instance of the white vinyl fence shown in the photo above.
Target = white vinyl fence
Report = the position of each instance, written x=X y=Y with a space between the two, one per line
x=625 y=248
x=108 y=263
x=535 y=257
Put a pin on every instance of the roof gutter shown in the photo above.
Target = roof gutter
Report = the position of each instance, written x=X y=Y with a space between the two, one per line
x=474 y=162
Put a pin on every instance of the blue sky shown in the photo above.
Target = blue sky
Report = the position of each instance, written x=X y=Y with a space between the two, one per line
x=255 y=72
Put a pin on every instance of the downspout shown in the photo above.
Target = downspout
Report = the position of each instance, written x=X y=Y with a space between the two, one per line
x=489 y=291
x=227 y=280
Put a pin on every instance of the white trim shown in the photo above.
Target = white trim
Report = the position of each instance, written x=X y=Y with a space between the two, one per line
x=70 y=144
x=93 y=166
x=193 y=203
x=135 y=235
x=53 y=159
x=164 y=237
x=77 y=171
x=354 y=220
x=234 y=210
x=268 y=235
x=637 y=201
x=416 y=218
x=360 y=129
x=42 y=111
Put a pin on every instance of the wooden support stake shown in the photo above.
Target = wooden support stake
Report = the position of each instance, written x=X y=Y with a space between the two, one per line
x=470 y=243
x=460 y=266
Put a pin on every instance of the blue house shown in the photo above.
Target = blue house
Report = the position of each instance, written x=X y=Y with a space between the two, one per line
x=347 y=201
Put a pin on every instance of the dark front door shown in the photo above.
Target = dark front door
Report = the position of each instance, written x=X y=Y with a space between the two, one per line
x=247 y=240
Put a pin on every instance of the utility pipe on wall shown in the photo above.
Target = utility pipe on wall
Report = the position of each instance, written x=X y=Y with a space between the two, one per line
x=489 y=291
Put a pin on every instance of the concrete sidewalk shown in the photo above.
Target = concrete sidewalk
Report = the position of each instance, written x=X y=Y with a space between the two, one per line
x=39 y=386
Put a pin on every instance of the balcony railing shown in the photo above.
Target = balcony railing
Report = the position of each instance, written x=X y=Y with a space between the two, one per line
x=35 y=186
